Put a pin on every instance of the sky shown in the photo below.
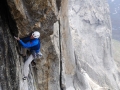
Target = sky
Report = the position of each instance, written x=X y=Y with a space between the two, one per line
x=112 y=0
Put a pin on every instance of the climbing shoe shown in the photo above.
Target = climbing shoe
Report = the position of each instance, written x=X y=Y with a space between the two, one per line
x=24 y=78
x=33 y=63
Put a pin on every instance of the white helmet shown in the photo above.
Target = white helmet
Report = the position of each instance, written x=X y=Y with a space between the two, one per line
x=36 y=34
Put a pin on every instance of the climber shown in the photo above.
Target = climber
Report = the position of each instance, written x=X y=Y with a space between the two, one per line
x=33 y=43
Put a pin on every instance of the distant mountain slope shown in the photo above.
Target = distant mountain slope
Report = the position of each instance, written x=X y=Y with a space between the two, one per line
x=116 y=52
x=115 y=18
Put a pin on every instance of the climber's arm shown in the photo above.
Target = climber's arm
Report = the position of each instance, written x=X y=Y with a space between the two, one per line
x=25 y=39
x=28 y=44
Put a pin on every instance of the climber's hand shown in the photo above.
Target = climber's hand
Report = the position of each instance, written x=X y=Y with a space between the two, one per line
x=17 y=38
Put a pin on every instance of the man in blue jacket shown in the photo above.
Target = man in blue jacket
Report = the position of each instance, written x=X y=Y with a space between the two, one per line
x=33 y=43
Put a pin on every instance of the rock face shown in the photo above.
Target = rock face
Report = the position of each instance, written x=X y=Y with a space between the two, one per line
x=75 y=42
x=91 y=35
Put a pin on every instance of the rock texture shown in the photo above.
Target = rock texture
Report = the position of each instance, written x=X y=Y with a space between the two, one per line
x=75 y=42
x=91 y=35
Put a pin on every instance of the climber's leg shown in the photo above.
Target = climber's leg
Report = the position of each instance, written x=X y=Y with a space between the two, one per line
x=26 y=65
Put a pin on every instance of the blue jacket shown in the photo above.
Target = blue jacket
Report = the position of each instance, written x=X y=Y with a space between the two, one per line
x=32 y=44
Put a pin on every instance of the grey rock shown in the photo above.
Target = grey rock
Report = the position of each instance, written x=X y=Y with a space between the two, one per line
x=91 y=36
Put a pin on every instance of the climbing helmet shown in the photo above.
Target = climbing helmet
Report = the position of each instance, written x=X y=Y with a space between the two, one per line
x=36 y=34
